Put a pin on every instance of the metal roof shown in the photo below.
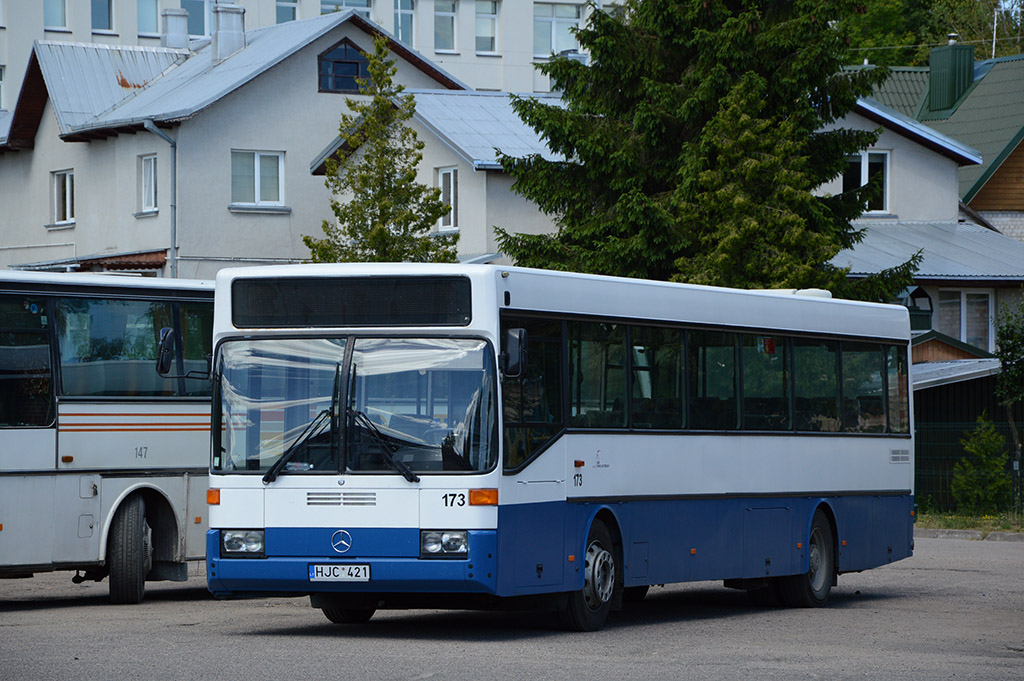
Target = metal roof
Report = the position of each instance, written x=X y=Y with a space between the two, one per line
x=990 y=118
x=933 y=374
x=921 y=133
x=475 y=124
x=951 y=251
x=84 y=80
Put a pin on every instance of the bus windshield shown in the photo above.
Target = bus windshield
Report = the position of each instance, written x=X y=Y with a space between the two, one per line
x=399 y=406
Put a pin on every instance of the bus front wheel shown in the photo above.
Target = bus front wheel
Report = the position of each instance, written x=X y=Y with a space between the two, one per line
x=129 y=552
x=587 y=609
x=812 y=589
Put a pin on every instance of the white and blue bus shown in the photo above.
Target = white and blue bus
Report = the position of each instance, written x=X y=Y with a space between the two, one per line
x=399 y=435
x=103 y=463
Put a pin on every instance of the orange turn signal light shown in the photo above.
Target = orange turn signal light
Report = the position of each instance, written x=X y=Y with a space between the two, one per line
x=213 y=496
x=483 y=497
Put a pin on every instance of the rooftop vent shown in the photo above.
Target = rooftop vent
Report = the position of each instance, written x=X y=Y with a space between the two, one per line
x=951 y=72
x=175 y=28
x=228 y=31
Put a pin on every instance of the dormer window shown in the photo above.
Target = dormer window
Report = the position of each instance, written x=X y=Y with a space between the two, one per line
x=340 y=66
x=863 y=168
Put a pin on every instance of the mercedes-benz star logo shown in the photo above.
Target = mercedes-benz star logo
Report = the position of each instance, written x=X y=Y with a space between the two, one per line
x=341 y=541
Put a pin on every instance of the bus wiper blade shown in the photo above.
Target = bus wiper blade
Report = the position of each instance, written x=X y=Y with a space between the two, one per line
x=315 y=427
x=387 y=453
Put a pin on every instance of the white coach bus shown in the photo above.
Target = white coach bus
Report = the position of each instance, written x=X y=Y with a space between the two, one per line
x=103 y=462
x=391 y=436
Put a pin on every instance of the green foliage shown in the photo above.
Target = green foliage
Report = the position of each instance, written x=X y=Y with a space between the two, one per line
x=980 y=481
x=1010 y=351
x=878 y=26
x=388 y=215
x=693 y=142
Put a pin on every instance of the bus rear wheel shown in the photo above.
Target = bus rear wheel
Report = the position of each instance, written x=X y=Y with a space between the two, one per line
x=129 y=552
x=587 y=609
x=812 y=589
x=348 y=615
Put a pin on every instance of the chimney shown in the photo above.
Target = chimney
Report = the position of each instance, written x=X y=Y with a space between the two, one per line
x=228 y=31
x=951 y=72
x=175 y=28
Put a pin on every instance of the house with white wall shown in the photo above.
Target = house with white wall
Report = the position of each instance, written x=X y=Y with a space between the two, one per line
x=116 y=152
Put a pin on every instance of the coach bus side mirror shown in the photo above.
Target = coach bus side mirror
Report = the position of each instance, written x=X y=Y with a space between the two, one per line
x=165 y=351
x=514 y=358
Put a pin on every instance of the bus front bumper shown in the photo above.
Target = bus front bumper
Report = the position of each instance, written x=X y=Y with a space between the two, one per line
x=279 y=575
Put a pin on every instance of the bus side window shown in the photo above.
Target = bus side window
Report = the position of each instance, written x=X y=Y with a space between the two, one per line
x=532 y=402
x=863 y=391
x=657 y=381
x=765 y=383
x=712 y=360
x=108 y=347
x=815 y=370
x=197 y=337
x=597 y=375
x=899 y=389
x=26 y=379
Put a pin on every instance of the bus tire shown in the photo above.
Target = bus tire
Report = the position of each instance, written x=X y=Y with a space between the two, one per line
x=812 y=589
x=129 y=551
x=348 y=615
x=587 y=609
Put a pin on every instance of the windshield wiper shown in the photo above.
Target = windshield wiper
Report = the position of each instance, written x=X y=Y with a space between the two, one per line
x=387 y=451
x=315 y=427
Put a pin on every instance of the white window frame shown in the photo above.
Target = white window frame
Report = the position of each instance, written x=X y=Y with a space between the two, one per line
x=492 y=18
x=362 y=7
x=449 y=222
x=451 y=17
x=63 y=196
x=286 y=4
x=964 y=292
x=2 y=67
x=554 y=22
x=148 y=196
x=405 y=8
x=149 y=30
x=865 y=156
x=63 y=4
x=109 y=17
x=257 y=189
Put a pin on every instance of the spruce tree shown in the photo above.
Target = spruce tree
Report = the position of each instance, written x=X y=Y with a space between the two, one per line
x=692 y=144
x=382 y=214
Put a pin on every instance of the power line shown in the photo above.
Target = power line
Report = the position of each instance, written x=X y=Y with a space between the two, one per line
x=980 y=41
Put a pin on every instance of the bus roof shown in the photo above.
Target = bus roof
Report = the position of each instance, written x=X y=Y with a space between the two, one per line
x=573 y=293
x=101 y=280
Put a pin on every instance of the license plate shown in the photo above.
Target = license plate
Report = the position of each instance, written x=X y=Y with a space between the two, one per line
x=339 y=573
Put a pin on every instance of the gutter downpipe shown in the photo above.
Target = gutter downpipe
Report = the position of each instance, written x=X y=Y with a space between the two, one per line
x=151 y=127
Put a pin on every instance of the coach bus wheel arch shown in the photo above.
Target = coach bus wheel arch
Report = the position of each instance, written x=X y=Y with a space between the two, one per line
x=812 y=588
x=130 y=551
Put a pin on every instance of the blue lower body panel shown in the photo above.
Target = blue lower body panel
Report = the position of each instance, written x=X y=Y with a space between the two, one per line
x=540 y=547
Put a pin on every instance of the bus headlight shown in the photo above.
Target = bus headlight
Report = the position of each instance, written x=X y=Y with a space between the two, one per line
x=242 y=544
x=444 y=543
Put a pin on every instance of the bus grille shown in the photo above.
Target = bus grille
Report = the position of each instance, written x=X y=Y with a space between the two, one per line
x=341 y=498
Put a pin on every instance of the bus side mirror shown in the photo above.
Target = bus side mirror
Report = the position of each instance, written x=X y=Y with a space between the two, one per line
x=165 y=351
x=513 y=360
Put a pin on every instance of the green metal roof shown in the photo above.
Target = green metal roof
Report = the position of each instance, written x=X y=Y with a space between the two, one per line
x=904 y=89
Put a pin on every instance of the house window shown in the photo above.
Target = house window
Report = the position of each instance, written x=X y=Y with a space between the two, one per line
x=404 y=10
x=287 y=10
x=486 y=26
x=257 y=178
x=966 y=314
x=865 y=167
x=444 y=24
x=553 y=28
x=362 y=7
x=149 y=16
x=448 y=181
x=55 y=14
x=147 y=183
x=200 y=16
x=340 y=66
x=101 y=15
x=63 y=197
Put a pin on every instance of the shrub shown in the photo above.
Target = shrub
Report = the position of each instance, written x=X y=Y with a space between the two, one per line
x=980 y=481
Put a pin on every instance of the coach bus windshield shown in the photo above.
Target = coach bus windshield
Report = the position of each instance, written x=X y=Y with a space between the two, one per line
x=392 y=405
